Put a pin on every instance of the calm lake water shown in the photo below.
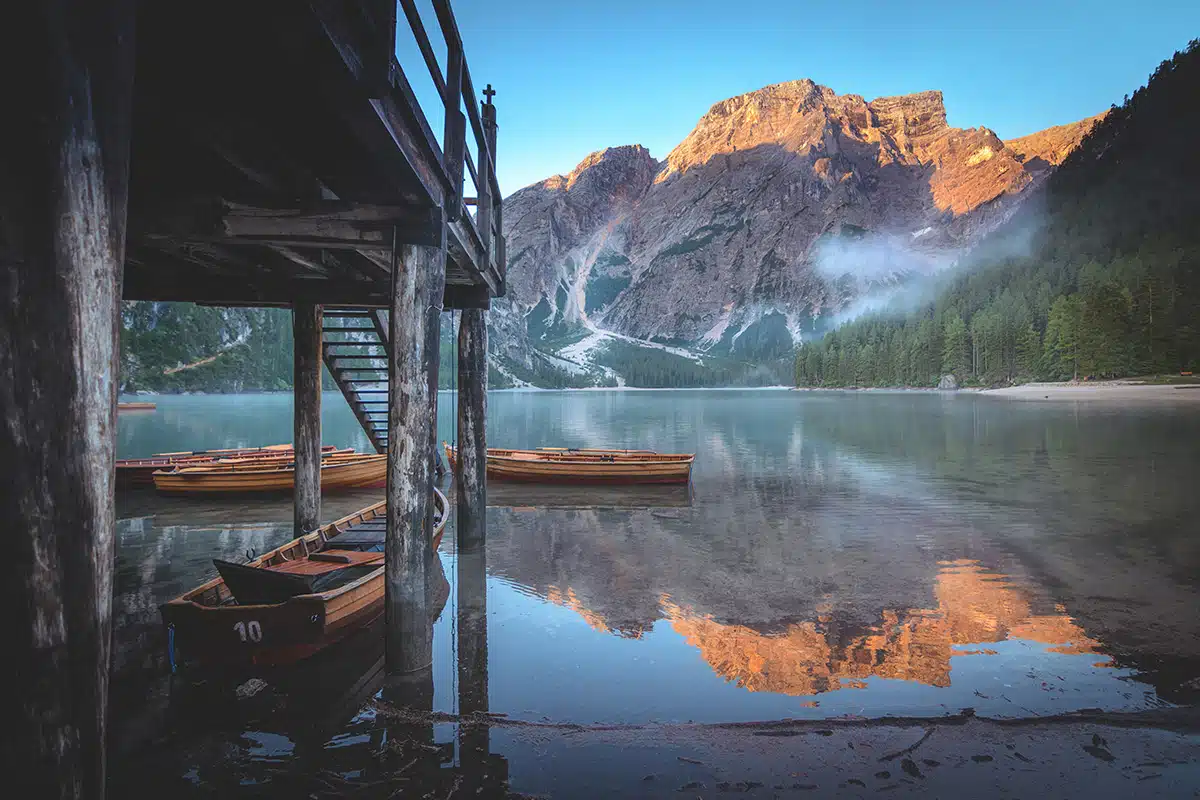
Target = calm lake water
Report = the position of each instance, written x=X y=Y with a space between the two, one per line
x=864 y=554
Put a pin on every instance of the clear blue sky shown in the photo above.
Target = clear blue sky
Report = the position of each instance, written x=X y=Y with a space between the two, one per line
x=573 y=77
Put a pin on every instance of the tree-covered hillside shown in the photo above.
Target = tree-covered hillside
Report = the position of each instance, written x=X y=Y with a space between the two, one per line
x=1109 y=285
x=172 y=347
x=183 y=347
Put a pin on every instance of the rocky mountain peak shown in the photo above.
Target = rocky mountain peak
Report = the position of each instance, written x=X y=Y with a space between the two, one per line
x=1046 y=149
x=803 y=115
x=605 y=167
x=912 y=117
x=726 y=245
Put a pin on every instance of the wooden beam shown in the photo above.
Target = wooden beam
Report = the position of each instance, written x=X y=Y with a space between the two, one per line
x=414 y=315
x=458 y=296
x=467 y=250
x=176 y=286
x=66 y=72
x=330 y=224
x=306 y=348
x=222 y=290
x=377 y=58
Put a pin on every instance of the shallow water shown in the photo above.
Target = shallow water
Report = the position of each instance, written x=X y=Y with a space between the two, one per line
x=862 y=554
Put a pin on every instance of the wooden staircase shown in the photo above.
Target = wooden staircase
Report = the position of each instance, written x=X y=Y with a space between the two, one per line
x=355 y=349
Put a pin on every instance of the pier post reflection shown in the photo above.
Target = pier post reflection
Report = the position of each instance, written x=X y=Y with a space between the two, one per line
x=410 y=738
x=474 y=741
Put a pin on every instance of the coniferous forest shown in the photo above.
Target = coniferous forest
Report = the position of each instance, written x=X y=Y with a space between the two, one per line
x=1109 y=287
x=172 y=347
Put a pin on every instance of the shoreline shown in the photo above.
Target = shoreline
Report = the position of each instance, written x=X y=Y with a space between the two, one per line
x=1117 y=391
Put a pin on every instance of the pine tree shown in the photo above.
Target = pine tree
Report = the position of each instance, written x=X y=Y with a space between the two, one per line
x=956 y=348
x=1029 y=352
x=1062 y=337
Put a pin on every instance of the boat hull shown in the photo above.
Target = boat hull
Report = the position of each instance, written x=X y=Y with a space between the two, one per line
x=585 y=467
x=355 y=473
x=138 y=473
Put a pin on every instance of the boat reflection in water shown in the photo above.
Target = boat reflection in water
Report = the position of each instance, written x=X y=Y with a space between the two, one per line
x=533 y=496
x=332 y=724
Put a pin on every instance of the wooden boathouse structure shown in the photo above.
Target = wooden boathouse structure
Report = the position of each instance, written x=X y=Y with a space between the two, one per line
x=228 y=153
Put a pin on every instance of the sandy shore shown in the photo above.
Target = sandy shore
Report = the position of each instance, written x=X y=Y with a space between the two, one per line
x=1106 y=391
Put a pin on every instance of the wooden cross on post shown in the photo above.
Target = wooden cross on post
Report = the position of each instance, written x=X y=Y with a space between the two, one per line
x=489 y=93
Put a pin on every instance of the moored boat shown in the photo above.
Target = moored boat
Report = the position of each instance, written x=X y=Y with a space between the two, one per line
x=558 y=465
x=338 y=471
x=136 y=406
x=292 y=602
x=139 y=472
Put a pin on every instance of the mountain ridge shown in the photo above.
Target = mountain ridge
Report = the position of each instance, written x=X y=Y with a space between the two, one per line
x=725 y=242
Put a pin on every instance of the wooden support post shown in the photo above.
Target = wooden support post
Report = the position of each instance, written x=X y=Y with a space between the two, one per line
x=306 y=351
x=66 y=73
x=471 y=475
x=418 y=280
x=488 y=222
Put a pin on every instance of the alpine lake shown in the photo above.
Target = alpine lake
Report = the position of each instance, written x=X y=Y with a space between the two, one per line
x=838 y=557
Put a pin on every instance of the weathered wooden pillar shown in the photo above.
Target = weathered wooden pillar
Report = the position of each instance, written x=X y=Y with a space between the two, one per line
x=418 y=280
x=471 y=475
x=306 y=350
x=66 y=73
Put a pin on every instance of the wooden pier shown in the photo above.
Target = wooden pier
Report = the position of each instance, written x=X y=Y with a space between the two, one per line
x=266 y=153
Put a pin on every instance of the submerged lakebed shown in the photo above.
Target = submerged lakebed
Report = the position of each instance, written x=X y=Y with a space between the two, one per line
x=837 y=555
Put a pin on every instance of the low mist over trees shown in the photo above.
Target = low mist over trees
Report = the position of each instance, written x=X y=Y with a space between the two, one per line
x=1110 y=289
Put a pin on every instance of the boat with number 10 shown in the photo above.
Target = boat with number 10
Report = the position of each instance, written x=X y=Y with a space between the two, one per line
x=294 y=601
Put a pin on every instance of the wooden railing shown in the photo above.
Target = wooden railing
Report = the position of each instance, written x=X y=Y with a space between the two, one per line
x=457 y=91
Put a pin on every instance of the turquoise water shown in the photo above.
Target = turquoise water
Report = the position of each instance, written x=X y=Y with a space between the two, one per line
x=865 y=554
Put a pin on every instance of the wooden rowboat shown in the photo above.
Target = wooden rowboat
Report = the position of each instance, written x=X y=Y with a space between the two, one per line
x=139 y=472
x=136 y=406
x=554 y=465
x=338 y=471
x=292 y=602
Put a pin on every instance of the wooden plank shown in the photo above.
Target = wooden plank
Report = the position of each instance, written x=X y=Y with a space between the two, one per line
x=454 y=139
x=306 y=348
x=393 y=123
x=66 y=72
x=412 y=425
x=417 y=26
x=381 y=46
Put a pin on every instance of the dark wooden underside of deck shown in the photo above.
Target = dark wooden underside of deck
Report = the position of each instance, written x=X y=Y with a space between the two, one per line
x=271 y=164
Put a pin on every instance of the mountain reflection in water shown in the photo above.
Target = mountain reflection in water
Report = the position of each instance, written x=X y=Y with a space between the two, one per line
x=974 y=607
x=859 y=554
